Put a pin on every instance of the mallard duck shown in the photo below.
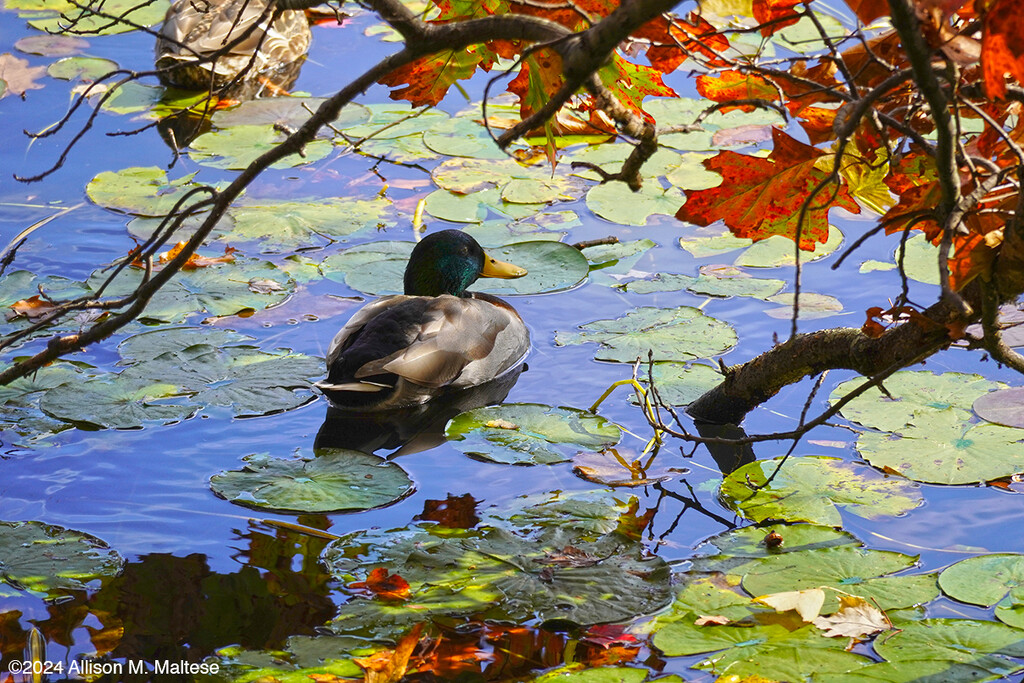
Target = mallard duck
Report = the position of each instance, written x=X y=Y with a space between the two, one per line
x=194 y=29
x=404 y=350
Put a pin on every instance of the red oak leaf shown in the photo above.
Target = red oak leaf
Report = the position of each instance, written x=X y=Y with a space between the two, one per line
x=427 y=79
x=776 y=14
x=1002 y=47
x=759 y=198
x=391 y=588
x=733 y=85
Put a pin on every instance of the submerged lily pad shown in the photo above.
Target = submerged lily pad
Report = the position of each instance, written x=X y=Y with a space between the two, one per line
x=682 y=333
x=680 y=384
x=46 y=559
x=717 y=281
x=498 y=573
x=335 y=480
x=812 y=488
x=989 y=580
x=123 y=401
x=530 y=433
x=1005 y=407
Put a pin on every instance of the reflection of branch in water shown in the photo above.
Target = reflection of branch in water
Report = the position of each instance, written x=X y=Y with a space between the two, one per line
x=688 y=503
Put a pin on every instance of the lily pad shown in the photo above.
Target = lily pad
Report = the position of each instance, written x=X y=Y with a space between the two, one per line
x=46 y=559
x=813 y=488
x=717 y=281
x=389 y=120
x=682 y=333
x=53 y=16
x=812 y=306
x=989 y=580
x=678 y=111
x=303 y=658
x=500 y=574
x=84 y=68
x=290 y=112
x=517 y=183
x=920 y=260
x=530 y=433
x=462 y=137
x=957 y=640
x=142 y=191
x=50 y=45
x=777 y=251
x=123 y=401
x=979 y=668
x=602 y=674
x=296 y=222
x=1005 y=407
x=218 y=290
x=860 y=571
x=912 y=394
x=718 y=553
x=238 y=146
x=681 y=384
x=335 y=480
x=542 y=226
x=941 y=448
x=615 y=202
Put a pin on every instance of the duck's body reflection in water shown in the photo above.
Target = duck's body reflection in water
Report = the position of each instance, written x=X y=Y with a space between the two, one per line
x=403 y=365
x=412 y=429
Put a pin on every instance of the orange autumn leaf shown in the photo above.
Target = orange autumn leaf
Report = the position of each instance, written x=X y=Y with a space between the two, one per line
x=389 y=666
x=869 y=10
x=1002 y=47
x=776 y=14
x=734 y=85
x=195 y=260
x=33 y=308
x=760 y=198
x=386 y=587
x=426 y=80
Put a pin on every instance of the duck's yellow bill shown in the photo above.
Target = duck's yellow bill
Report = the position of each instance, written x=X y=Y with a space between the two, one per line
x=495 y=268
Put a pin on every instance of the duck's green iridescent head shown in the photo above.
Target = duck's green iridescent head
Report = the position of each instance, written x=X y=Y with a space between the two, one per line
x=449 y=261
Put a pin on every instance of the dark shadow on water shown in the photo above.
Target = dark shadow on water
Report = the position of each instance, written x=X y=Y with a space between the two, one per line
x=408 y=430
x=728 y=457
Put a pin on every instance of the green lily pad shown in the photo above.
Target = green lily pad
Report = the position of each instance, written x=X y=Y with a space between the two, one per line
x=813 y=488
x=142 y=191
x=777 y=251
x=859 y=571
x=499 y=574
x=389 y=120
x=769 y=651
x=682 y=333
x=619 y=257
x=720 y=553
x=236 y=147
x=589 y=513
x=335 y=480
x=518 y=184
x=1005 y=407
x=980 y=668
x=380 y=269
x=460 y=208
x=218 y=290
x=148 y=346
x=681 y=384
x=123 y=401
x=812 y=306
x=50 y=45
x=290 y=112
x=920 y=260
x=20 y=419
x=80 y=68
x=46 y=559
x=717 y=281
x=989 y=580
x=408 y=149
x=957 y=640
x=912 y=394
x=302 y=659
x=296 y=222
x=941 y=448
x=710 y=241
x=677 y=111
x=542 y=226
x=530 y=433
x=52 y=16
x=462 y=137
x=604 y=674
x=615 y=202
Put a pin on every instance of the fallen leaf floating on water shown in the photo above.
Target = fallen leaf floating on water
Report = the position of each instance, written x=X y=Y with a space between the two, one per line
x=501 y=424
x=391 y=588
x=569 y=557
x=389 y=666
x=712 y=620
x=32 y=308
x=856 y=618
x=262 y=285
x=806 y=603
x=18 y=75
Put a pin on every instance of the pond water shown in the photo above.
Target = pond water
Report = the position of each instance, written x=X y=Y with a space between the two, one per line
x=202 y=573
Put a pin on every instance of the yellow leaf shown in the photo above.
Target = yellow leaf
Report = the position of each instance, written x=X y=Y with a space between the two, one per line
x=806 y=603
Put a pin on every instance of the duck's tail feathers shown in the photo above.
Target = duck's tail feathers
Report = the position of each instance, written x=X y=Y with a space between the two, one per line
x=362 y=387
